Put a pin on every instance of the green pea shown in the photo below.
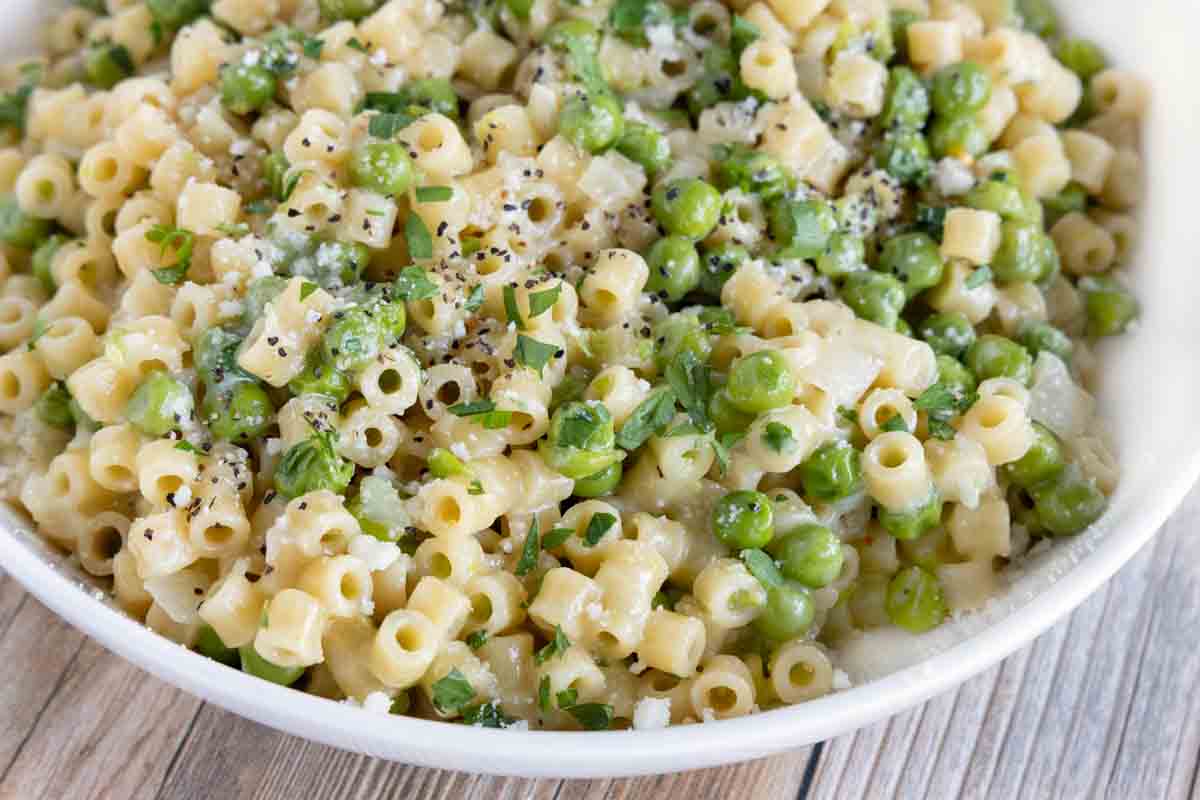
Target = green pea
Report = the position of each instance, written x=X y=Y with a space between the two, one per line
x=752 y=171
x=915 y=601
x=54 y=407
x=259 y=667
x=20 y=229
x=215 y=355
x=810 y=554
x=843 y=255
x=955 y=377
x=274 y=168
x=391 y=318
x=1003 y=198
x=337 y=264
x=259 y=293
x=601 y=484
x=899 y=20
x=802 y=226
x=1081 y=56
x=761 y=381
x=1110 y=306
x=1051 y=264
x=1073 y=198
x=209 y=644
x=948 y=334
x=1039 y=17
x=1042 y=462
x=159 y=405
x=1036 y=336
x=904 y=154
x=383 y=167
x=581 y=441
x=592 y=122
x=906 y=105
x=687 y=207
x=246 y=88
x=914 y=258
x=312 y=465
x=903 y=328
x=908 y=525
x=107 y=64
x=1019 y=259
x=788 y=612
x=929 y=550
x=352 y=341
x=744 y=519
x=1068 y=504
x=335 y=10
x=957 y=136
x=993 y=356
x=644 y=145
x=718 y=264
x=674 y=267
x=630 y=18
x=960 y=89
x=320 y=377
x=174 y=14
x=677 y=333
x=569 y=34
x=436 y=94
x=726 y=416
x=833 y=472
x=719 y=81
x=875 y=296
x=43 y=260
x=238 y=411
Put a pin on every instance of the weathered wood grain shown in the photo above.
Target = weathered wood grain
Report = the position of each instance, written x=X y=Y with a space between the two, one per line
x=1105 y=704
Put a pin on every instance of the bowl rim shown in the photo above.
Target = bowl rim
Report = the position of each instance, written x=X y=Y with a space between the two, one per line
x=584 y=755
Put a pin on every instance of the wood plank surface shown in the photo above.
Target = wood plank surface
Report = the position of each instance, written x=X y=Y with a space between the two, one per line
x=1106 y=704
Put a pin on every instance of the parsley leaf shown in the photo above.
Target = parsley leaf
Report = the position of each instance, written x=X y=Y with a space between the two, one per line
x=894 y=423
x=476 y=487
x=312 y=47
x=291 y=183
x=689 y=377
x=556 y=647
x=567 y=697
x=186 y=447
x=651 y=416
x=306 y=289
x=355 y=44
x=541 y=302
x=533 y=354
x=931 y=220
x=942 y=404
x=778 y=437
x=848 y=414
x=511 y=310
x=592 y=716
x=475 y=640
x=978 y=278
x=414 y=284
x=474 y=299
x=487 y=715
x=452 y=692
x=434 y=194
x=179 y=240
x=420 y=243
x=544 y=693
x=472 y=409
x=386 y=125
x=721 y=446
x=598 y=525
x=556 y=537
x=529 y=552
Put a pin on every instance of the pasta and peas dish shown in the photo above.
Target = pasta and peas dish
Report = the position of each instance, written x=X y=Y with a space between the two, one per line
x=550 y=364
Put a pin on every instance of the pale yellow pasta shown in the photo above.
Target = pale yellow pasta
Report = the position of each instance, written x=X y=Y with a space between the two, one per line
x=800 y=671
x=896 y=472
x=724 y=688
x=628 y=579
x=1091 y=158
x=18 y=317
x=234 y=606
x=672 y=642
x=23 y=378
x=403 y=649
x=981 y=532
x=563 y=601
x=159 y=543
x=1084 y=246
x=797 y=14
x=767 y=66
x=1124 y=184
x=1001 y=425
x=934 y=44
x=954 y=295
x=1119 y=91
x=44 y=186
x=728 y=593
x=971 y=235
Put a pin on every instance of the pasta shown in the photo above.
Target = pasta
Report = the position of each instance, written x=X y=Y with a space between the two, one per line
x=581 y=366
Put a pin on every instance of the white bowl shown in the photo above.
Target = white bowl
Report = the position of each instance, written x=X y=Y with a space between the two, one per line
x=1152 y=381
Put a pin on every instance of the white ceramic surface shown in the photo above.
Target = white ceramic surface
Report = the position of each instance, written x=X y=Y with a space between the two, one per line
x=1152 y=384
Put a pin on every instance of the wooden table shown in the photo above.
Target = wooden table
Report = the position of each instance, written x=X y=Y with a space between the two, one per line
x=1105 y=704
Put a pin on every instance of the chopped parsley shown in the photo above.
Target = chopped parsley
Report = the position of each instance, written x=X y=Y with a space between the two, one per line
x=592 y=716
x=511 y=310
x=598 y=525
x=476 y=640
x=306 y=289
x=554 y=648
x=556 y=537
x=434 y=194
x=529 y=551
x=420 y=243
x=414 y=284
x=541 y=302
x=475 y=298
x=778 y=437
x=651 y=416
x=978 y=278
x=181 y=241
x=452 y=692
x=533 y=354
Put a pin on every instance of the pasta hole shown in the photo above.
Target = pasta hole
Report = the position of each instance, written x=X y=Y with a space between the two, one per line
x=448 y=393
x=481 y=608
x=447 y=511
x=46 y=191
x=409 y=638
x=373 y=436
x=108 y=222
x=604 y=300
x=10 y=385
x=703 y=25
x=663 y=682
x=430 y=139
x=168 y=484
x=217 y=535
x=60 y=486
x=350 y=586
x=522 y=422
x=765 y=58
x=333 y=541
x=539 y=209
x=440 y=566
x=893 y=457
x=722 y=698
x=10 y=312
x=489 y=266
x=118 y=474
x=106 y=169
x=107 y=543
x=673 y=68
x=607 y=641
x=801 y=674
x=992 y=417
x=151 y=365
x=389 y=381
